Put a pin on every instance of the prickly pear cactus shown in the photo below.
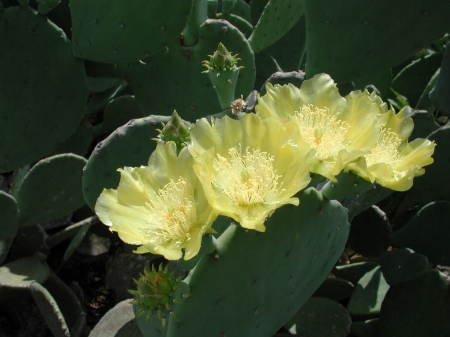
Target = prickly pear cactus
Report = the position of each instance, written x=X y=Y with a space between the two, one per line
x=129 y=31
x=35 y=61
x=264 y=168
x=272 y=278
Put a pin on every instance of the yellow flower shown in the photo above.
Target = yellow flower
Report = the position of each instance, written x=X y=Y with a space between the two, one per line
x=393 y=162
x=339 y=129
x=249 y=167
x=160 y=207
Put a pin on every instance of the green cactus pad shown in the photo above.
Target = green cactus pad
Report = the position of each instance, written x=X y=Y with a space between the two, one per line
x=368 y=328
x=424 y=124
x=369 y=294
x=354 y=192
x=320 y=317
x=51 y=189
x=20 y=273
x=115 y=31
x=8 y=223
x=369 y=235
x=338 y=44
x=412 y=79
x=49 y=310
x=242 y=9
x=239 y=22
x=118 y=322
x=129 y=145
x=45 y=6
x=403 y=265
x=430 y=186
x=277 y=18
x=68 y=305
x=42 y=91
x=80 y=142
x=159 y=88
x=120 y=110
x=440 y=96
x=8 y=211
x=428 y=232
x=290 y=49
x=417 y=308
x=354 y=271
x=284 y=55
x=274 y=272
x=335 y=288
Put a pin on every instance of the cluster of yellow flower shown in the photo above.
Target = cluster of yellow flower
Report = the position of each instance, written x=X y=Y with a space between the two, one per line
x=245 y=169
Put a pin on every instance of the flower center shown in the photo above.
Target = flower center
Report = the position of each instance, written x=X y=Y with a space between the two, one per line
x=171 y=214
x=386 y=150
x=322 y=130
x=246 y=177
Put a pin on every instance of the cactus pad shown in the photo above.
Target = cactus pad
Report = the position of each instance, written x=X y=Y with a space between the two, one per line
x=129 y=145
x=51 y=189
x=42 y=91
x=192 y=96
x=274 y=272
x=115 y=31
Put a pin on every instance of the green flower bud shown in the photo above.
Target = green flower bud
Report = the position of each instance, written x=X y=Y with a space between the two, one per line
x=223 y=72
x=155 y=293
x=176 y=130
x=221 y=60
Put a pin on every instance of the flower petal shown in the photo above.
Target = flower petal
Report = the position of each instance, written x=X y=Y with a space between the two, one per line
x=322 y=91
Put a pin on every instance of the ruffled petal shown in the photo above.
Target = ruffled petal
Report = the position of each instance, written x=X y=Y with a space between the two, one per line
x=127 y=220
x=322 y=91
x=279 y=101
x=363 y=116
x=400 y=123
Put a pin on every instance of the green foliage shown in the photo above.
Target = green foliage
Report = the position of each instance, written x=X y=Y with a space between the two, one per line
x=80 y=142
x=369 y=293
x=118 y=322
x=412 y=79
x=370 y=233
x=51 y=189
x=127 y=32
x=50 y=310
x=403 y=265
x=335 y=288
x=45 y=6
x=277 y=18
x=273 y=272
x=40 y=80
x=425 y=227
x=440 y=95
x=78 y=73
x=320 y=317
x=192 y=96
x=120 y=110
x=21 y=273
x=418 y=308
x=9 y=223
x=129 y=145
x=355 y=48
x=354 y=271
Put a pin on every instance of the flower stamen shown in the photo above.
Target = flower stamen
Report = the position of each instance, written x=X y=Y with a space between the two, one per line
x=171 y=214
x=386 y=150
x=247 y=177
x=322 y=130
